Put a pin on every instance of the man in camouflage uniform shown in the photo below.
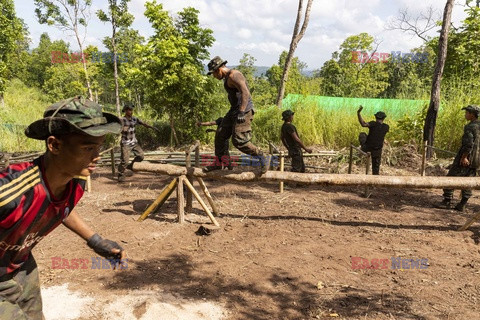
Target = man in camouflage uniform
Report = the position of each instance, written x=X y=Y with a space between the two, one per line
x=37 y=196
x=466 y=162
x=237 y=123
x=129 y=142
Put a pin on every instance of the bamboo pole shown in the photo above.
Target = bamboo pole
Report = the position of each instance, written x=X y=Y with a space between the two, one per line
x=166 y=192
x=88 y=187
x=180 y=200
x=282 y=168
x=469 y=222
x=424 y=158
x=320 y=178
x=208 y=196
x=204 y=206
x=350 y=160
x=112 y=159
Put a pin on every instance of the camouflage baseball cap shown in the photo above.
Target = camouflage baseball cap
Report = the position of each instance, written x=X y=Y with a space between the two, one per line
x=473 y=108
x=380 y=115
x=215 y=63
x=74 y=115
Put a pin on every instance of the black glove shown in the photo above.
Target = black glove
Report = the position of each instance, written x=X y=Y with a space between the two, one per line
x=240 y=117
x=104 y=248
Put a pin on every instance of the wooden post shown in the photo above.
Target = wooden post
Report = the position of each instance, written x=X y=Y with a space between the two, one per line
x=180 y=200
x=197 y=154
x=88 y=187
x=350 y=161
x=188 y=165
x=368 y=161
x=424 y=157
x=282 y=168
x=112 y=158
x=166 y=192
x=204 y=206
x=270 y=152
x=367 y=172
x=208 y=196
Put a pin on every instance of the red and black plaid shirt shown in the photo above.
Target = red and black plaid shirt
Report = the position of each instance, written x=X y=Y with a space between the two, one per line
x=29 y=211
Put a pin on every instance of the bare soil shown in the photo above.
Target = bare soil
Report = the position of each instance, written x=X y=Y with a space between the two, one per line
x=278 y=256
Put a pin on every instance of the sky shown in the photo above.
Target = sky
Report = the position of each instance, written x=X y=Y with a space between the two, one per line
x=263 y=28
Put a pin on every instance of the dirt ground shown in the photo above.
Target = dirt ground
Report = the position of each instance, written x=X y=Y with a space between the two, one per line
x=276 y=256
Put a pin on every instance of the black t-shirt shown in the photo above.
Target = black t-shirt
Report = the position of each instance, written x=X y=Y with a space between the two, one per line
x=287 y=130
x=376 y=135
x=219 y=121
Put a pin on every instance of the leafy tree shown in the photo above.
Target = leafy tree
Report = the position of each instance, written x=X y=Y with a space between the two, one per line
x=348 y=76
x=11 y=32
x=68 y=15
x=119 y=17
x=171 y=69
x=296 y=79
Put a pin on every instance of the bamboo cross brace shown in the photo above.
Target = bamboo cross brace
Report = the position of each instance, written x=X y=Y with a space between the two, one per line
x=204 y=206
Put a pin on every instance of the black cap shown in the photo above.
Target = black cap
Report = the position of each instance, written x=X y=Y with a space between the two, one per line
x=287 y=114
x=472 y=108
x=380 y=115
x=128 y=105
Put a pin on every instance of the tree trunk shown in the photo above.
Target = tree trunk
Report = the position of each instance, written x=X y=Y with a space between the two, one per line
x=115 y=72
x=318 y=178
x=84 y=62
x=174 y=133
x=431 y=119
x=296 y=37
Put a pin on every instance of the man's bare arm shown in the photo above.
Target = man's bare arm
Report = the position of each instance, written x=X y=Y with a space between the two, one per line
x=360 y=119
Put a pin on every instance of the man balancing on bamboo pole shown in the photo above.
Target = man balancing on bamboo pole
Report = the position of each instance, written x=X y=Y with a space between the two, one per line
x=467 y=160
x=237 y=123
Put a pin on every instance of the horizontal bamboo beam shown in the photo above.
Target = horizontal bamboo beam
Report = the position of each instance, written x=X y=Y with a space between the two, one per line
x=317 y=178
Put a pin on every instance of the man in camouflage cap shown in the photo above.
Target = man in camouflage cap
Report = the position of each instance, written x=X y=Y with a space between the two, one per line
x=467 y=160
x=237 y=123
x=37 y=196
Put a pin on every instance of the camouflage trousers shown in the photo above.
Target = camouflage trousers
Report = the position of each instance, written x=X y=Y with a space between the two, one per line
x=241 y=134
x=20 y=297
x=125 y=156
x=458 y=171
x=297 y=160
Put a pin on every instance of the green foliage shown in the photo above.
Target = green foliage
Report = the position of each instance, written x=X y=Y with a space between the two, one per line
x=342 y=77
x=296 y=79
x=171 y=75
x=11 y=33
x=23 y=105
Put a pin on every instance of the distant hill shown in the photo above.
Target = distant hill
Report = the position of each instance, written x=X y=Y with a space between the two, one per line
x=262 y=70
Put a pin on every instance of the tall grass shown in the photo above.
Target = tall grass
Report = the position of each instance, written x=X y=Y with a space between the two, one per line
x=338 y=128
x=23 y=105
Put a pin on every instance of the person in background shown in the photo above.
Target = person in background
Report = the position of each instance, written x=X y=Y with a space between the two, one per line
x=129 y=142
x=467 y=160
x=292 y=142
x=373 y=142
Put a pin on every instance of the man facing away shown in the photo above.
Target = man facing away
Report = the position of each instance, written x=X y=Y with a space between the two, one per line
x=237 y=123
x=37 y=196
x=373 y=142
x=292 y=142
x=467 y=160
x=129 y=141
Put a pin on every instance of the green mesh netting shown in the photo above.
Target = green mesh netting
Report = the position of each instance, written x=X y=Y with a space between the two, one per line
x=394 y=108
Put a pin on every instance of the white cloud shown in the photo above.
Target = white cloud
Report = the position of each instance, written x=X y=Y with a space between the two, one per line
x=244 y=33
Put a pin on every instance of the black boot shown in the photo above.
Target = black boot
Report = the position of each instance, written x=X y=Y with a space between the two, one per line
x=445 y=204
x=211 y=168
x=461 y=205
